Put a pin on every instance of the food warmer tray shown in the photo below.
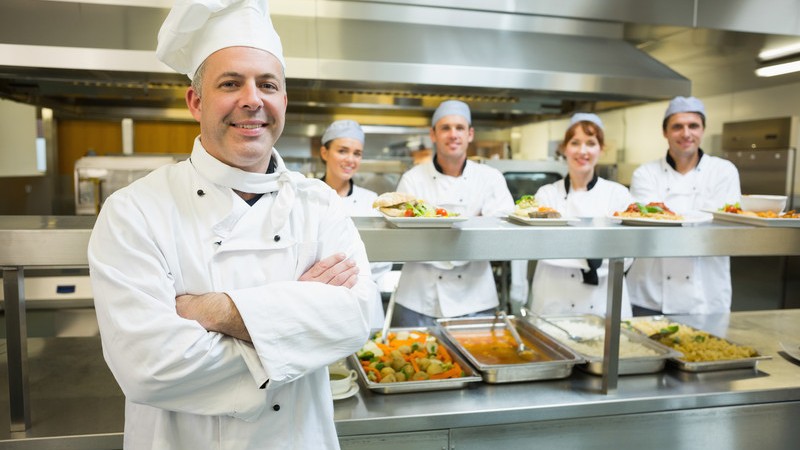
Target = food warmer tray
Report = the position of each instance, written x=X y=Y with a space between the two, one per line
x=471 y=376
x=632 y=365
x=563 y=359
x=701 y=366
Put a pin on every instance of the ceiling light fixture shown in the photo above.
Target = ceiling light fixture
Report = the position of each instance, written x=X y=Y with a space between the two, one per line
x=776 y=69
x=779 y=52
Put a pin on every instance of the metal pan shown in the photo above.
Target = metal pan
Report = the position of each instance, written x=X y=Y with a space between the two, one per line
x=700 y=366
x=471 y=376
x=632 y=361
x=559 y=363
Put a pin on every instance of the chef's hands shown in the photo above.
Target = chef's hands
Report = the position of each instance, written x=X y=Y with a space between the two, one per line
x=214 y=311
x=335 y=270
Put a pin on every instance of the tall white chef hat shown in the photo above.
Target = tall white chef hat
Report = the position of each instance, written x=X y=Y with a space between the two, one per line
x=194 y=29
x=685 y=104
x=343 y=129
x=586 y=117
x=451 y=107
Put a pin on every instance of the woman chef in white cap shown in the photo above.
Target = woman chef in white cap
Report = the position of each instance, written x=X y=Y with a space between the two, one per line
x=686 y=179
x=579 y=286
x=225 y=284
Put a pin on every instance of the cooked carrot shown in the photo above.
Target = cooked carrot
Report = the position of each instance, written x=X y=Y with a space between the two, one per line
x=453 y=372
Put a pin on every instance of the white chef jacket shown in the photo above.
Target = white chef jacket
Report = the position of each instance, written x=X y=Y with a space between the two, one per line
x=696 y=285
x=453 y=288
x=357 y=204
x=558 y=286
x=182 y=230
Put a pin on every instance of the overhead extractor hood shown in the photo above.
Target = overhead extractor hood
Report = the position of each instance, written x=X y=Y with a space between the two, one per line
x=366 y=63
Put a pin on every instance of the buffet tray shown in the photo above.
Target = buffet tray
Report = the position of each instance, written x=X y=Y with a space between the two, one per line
x=699 y=366
x=560 y=365
x=471 y=376
x=628 y=365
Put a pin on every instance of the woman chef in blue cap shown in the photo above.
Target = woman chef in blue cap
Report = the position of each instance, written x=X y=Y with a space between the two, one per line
x=578 y=286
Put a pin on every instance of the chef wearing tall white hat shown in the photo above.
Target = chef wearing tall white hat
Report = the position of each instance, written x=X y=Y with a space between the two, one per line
x=225 y=284
x=429 y=290
x=686 y=179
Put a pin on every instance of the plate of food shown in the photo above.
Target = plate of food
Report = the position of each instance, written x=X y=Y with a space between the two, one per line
x=528 y=212
x=792 y=350
x=658 y=214
x=404 y=210
x=734 y=213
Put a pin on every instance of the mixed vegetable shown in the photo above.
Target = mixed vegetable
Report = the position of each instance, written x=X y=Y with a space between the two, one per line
x=422 y=209
x=407 y=356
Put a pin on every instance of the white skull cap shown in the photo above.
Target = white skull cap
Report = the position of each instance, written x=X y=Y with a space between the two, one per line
x=194 y=29
x=685 y=104
x=343 y=129
x=451 y=107
x=586 y=117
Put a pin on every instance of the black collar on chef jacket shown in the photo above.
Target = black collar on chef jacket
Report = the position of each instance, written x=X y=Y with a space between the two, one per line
x=270 y=169
x=589 y=187
x=350 y=192
x=439 y=168
x=671 y=161
x=589 y=276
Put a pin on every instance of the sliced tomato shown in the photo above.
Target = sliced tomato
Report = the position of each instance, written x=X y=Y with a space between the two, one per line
x=441 y=212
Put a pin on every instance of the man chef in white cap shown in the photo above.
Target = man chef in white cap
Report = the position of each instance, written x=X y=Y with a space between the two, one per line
x=686 y=179
x=225 y=284
x=431 y=290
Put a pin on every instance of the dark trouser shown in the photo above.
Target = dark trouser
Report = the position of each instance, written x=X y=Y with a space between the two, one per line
x=406 y=318
x=639 y=311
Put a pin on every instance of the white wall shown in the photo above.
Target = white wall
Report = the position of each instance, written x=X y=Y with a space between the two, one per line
x=17 y=140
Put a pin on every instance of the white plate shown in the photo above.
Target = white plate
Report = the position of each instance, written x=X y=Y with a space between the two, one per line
x=758 y=221
x=793 y=350
x=688 y=219
x=540 y=222
x=348 y=393
x=424 y=222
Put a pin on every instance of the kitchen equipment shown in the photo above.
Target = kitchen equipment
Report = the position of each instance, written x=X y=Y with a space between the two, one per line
x=557 y=359
x=388 y=318
x=522 y=351
x=763 y=203
x=527 y=312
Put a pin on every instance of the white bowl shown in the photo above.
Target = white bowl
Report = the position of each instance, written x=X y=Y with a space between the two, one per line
x=762 y=203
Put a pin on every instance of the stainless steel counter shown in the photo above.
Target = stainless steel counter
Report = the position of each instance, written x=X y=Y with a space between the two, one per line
x=61 y=242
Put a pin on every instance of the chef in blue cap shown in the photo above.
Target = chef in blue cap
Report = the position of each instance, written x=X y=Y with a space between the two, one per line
x=686 y=179
x=225 y=284
x=430 y=290
x=576 y=286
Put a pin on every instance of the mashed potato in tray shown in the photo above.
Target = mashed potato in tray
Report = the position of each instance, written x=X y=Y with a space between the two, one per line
x=696 y=345
x=627 y=348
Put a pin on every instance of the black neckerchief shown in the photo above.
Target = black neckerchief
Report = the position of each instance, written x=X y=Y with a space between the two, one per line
x=671 y=161
x=270 y=169
x=349 y=192
x=588 y=187
x=589 y=276
x=439 y=168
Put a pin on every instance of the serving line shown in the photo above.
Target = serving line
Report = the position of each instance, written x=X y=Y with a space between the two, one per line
x=61 y=241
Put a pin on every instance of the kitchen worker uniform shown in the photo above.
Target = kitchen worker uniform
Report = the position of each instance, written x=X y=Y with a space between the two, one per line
x=558 y=284
x=358 y=203
x=183 y=230
x=453 y=288
x=695 y=285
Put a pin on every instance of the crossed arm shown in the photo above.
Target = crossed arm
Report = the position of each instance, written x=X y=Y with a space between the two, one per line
x=215 y=311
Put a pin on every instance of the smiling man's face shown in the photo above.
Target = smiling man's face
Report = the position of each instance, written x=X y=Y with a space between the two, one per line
x=242 y=109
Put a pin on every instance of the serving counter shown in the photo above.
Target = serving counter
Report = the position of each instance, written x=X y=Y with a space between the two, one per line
x=574 y=412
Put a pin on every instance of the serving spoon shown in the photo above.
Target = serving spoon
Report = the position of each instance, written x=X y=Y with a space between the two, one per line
x=523 y=351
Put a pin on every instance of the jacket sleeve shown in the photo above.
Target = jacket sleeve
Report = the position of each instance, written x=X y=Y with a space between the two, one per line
x=498 y=202
x=157 y=357
x=297 y=327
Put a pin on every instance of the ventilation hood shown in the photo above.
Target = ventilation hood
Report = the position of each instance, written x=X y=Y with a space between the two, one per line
x=386 y=66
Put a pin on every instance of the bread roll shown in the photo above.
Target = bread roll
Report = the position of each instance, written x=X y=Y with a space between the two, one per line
x=388 y=199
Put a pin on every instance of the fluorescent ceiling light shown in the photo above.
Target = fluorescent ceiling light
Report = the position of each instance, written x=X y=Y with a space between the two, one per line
x=779 y=52
x=778 y=69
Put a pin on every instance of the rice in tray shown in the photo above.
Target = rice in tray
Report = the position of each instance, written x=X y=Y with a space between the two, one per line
x=696 y=345
x=627 y=348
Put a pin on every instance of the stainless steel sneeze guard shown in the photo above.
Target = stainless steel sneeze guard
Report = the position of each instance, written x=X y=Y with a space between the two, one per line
x=34 y=241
